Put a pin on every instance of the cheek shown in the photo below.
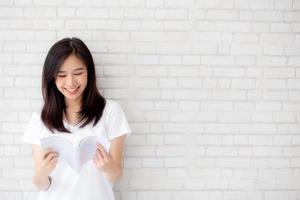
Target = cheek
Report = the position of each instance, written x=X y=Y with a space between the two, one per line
x=58 y=83
x=83 y=80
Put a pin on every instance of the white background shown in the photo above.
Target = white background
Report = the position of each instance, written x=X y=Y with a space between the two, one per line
x=210 y=89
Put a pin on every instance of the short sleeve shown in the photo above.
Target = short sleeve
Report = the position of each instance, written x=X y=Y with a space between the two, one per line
x=116 y=122
x=33 y=130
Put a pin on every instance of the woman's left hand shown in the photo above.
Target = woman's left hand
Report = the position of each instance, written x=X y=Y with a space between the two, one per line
x=102 y=160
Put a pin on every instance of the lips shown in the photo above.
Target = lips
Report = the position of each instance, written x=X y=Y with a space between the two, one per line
x=72 y=90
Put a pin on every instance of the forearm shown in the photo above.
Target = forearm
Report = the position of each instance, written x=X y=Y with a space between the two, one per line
x=41 y=182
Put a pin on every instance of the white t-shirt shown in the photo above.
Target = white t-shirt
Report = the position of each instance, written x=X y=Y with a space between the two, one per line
x=90 y=183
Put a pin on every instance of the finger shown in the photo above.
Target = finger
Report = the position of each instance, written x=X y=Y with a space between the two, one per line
x=54 y=161
x=51 y=156
x=103 y=151
x=52 y=164
x=99 y=155
x=48 y=151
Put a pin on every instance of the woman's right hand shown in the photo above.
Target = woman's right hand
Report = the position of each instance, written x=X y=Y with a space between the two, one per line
x=49 y=162
x=45 y=161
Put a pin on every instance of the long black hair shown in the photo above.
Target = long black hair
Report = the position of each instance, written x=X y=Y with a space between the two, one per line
x=54 y=104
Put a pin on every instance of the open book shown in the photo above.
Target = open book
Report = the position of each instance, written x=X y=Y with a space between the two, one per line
x=75 y=154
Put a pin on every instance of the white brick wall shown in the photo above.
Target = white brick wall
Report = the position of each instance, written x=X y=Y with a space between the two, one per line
x=210 y=88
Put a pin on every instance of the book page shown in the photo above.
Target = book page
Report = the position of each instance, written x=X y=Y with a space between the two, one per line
x=88 y=146
x=61 y=145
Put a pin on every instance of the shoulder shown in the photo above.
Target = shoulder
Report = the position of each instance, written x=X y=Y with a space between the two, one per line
x=36 y=117
x=112 y=110
x=111 y=105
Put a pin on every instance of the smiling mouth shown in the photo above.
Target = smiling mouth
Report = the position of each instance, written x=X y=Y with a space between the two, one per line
x=72 y=90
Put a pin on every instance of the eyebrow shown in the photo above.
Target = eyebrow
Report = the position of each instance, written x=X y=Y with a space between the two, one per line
x=77 y=69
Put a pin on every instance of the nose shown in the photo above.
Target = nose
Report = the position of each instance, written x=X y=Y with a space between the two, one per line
x=70 y=81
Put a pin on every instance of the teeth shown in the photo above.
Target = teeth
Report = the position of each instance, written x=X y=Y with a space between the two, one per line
x=72 y=90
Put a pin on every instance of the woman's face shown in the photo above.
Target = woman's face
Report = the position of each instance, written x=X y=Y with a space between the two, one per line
x=71 y=79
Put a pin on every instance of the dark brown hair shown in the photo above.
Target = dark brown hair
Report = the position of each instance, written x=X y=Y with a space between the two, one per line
x=54 y=104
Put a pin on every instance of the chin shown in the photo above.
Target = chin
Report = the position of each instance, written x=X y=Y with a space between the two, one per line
x=73 y=97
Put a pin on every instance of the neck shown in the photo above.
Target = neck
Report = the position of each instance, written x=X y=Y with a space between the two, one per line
x=72 y=109
x=73 y=106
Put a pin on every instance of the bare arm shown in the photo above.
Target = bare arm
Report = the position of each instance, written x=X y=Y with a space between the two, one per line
x=44 y=163
x=116 y=152
x=111 y=163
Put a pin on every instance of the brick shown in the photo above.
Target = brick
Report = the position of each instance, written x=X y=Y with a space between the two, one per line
x=189 y=105
x=291 y=16
x=6 y=3
x=91 y=13
x=281 y=27
x=292 y=50
x=265 y=5
x=138 y=13
x=246 y=37
x=176 y=173
x=170 y=14
x=66 y=12
x=9 y=184
x=272 y=38
x=243 y=84
x=167 y=82
x=212 y=37
x=184 y=72
x=148 y=36
x=7 y=12
x=222 y=14
x=267 y=151
x=16 y=35
x=148 y=60
x=221 y=151
x=205 y=26
x=152 y=162
x=218 y=61
x=173 y=25
x=132 y=163
x=191 y=195
x=262 y=117
x=233 y=26
x=173 y=48
x=165 y=105
x=246 y=49
x=170 y=151
x=241 y=4
x=132 y=3
x=149 y=195
x=208 y=4
x=283 y=4
x=14 y=104
x=276 y=195
x=99 y=24
x=48 y=24
x=150 y=71
x=39 y=12
x=245 y=15
x=140 y=151
x=170 y=60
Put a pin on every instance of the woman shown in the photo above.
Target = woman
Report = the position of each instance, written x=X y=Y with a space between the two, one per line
x=74 y=109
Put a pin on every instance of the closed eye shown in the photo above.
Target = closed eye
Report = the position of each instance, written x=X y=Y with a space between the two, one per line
x=78 y=74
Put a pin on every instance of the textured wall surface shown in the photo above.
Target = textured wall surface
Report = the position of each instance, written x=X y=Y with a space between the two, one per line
x=210 y=88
